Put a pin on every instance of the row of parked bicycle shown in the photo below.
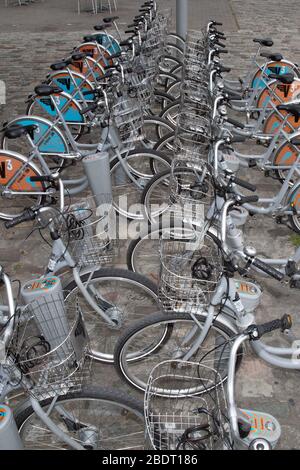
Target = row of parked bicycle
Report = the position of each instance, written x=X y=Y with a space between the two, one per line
x=145 y=117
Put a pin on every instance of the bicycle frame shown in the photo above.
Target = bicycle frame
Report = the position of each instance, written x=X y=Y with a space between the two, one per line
x=109 y=140
x=263 y=160
x=271 y=435
x=59 y=259
x=233 y=239
x=234 y=314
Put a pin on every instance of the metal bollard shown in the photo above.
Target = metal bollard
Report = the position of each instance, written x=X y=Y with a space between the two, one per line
x=182 y=18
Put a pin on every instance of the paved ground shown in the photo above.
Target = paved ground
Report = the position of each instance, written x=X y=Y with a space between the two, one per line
x=34 y=36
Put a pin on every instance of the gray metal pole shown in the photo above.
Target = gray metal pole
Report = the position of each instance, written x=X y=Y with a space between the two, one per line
x=182 y=17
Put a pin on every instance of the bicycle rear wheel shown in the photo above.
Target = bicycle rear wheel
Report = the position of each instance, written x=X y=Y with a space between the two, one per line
x=99 y=419
x=15 y=173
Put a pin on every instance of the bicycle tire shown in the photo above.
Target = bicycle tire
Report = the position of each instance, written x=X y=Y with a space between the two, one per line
x=121 y=363
x=24 y=412
x=138 y=285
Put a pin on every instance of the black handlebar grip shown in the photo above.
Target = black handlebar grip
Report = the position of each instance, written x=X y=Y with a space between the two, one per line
x=268 y=269
x=92 y=107
x=246 y=200
x=244 y=184
x=28 y=214
x=41 y=178
x=235 y=123
x=222 y=68
x=126 y=43
x=216 y=23
x=89 y=92
x=238 y=139
x=219 y=44
x=222 y=51
x=269 y=326
x=220 y=33
x=233 y=96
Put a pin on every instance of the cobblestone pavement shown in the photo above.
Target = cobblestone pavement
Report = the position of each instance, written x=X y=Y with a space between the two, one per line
x=33 y=37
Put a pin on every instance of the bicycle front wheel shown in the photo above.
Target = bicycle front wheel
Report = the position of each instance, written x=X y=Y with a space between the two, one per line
x=154 y=129
x=99 y=419
x=130 y=295
x=143 y=252
x=166 y=336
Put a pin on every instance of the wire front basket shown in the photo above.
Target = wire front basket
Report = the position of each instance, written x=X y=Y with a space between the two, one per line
x=88 y=229
x=154 y=42
x=142 y=90
x=128 y=118
x=49 y=347
x=185 y=408
x=192 y=135
x=192 y=188
x=194 y=99
x=189 y=273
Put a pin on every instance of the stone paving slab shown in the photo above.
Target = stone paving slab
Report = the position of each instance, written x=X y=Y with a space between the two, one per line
x=30 y=42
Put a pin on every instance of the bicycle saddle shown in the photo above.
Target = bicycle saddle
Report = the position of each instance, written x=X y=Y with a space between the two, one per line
x=291 y=108
x=46 y=90
x=80 y=55
x=17 y=130
x=286 y=78
x=102 y=27
x=128 y=42
x=267 y=42
x=60 y=65
x=90 y=38
x=109 y=19
x=276 y=56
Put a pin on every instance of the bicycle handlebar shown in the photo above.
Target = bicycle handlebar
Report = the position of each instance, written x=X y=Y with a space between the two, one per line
x=269 y=270
x=243 y=184
x=215 y=23
x=42 y=178
x=28 y=214
x=235 y=123
x=255 y=332
x=246 y=200
x=220 y=44
x=237 y=139
x=270 y=326
x=90 y=108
